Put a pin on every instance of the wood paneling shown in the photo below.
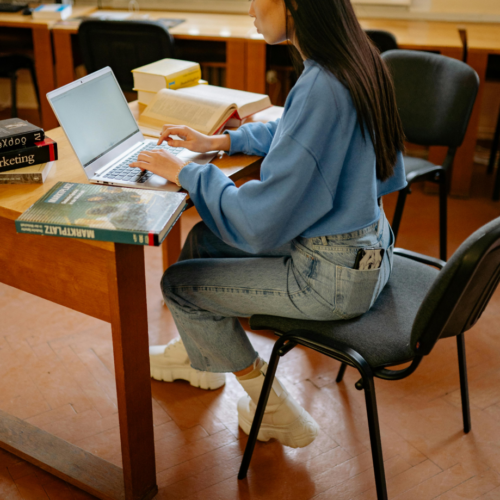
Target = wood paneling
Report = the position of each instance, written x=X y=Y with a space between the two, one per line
x=45 y=266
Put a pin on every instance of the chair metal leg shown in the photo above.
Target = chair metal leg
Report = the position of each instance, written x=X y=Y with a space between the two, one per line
x=376 y=442
x=464 y=385
x=443 y=216
x=261 y=406
x=340 y=374
x=35 y=86
x=398 y=213
x=13 y=93
x=494 y=147
x=496 y=188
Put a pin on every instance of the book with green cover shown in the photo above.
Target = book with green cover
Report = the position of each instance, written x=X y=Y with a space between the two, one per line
x=104 y=213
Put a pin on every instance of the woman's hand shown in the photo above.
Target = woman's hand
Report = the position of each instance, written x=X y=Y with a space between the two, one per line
x=193 y=140
x=160 y=162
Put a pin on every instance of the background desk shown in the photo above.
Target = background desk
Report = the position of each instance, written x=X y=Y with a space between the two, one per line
x=105 y=281
x=234 y=30
x=42 y=48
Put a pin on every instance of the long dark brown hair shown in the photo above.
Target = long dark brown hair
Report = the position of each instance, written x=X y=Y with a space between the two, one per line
x=328 y=32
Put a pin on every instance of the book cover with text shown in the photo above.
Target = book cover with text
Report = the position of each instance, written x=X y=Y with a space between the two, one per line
x=40 y=152
x=104 y=213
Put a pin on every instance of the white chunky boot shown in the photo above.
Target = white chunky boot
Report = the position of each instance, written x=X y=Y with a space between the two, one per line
x=171 y=362
x=284 y=419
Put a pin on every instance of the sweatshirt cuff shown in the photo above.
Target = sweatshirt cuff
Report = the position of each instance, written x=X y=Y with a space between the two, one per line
x=238 y=140
x=186 y=174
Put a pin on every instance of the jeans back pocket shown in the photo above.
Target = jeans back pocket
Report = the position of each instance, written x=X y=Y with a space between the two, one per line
x=356 y=291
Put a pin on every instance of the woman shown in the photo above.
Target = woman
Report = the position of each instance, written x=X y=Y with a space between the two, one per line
x=287 y=244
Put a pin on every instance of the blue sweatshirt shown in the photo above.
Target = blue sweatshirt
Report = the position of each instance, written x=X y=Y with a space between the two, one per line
x=318 y=176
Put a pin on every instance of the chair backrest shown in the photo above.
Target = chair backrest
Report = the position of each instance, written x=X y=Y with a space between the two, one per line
x=123 y=45
x=461 y=291
x=383 y=40
x=435 y=96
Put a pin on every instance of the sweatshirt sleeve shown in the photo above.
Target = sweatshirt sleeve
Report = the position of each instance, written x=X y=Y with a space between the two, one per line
x=261 y=215
x=253 y=138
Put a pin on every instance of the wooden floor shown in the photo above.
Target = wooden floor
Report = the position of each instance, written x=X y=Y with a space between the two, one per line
x=56 y=371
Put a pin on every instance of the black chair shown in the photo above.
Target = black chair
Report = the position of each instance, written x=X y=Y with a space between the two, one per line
x=9 y=66
x=493 y=73
x=123 y=45
x=493 y=155
x=383 y=40
x=435 y=96
x=418 y=306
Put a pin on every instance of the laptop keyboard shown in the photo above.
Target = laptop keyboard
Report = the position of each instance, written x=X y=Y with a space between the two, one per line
x=122 y=171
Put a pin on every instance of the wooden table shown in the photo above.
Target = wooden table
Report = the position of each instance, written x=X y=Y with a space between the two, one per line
x=106 y=281
x=233 y=29
x=42 y=47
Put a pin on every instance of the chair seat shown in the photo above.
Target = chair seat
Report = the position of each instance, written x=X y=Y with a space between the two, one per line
x=417 y=167
x=382 y=335
x=13 y=63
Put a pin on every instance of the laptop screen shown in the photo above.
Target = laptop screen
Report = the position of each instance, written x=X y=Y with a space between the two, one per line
x=95 y=117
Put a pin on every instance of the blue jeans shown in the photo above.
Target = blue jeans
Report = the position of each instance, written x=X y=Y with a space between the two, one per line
x=213 y=284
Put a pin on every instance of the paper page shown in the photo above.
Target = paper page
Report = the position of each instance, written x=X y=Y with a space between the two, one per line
x=170 y=106
x=246 y=102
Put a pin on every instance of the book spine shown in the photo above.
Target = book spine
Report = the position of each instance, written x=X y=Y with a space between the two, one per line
x=21 y=141
x=14 y=178
x=188 y=78
x=85 y=233
x=28 y=156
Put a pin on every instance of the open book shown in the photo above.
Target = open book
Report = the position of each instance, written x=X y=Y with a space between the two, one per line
x=205 y=108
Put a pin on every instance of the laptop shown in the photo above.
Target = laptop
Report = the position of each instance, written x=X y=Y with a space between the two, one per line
x=104 y=135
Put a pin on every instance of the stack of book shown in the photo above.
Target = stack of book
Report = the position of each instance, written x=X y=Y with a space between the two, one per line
x=164 y=74
x=173 y=93
x=26 y=154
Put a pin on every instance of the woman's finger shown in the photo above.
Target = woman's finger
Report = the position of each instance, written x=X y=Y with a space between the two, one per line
x=176 y=144
x=144 y=157
x=139 y=164
x=169 y=130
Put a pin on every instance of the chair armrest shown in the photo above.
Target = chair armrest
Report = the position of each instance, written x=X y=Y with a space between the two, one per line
x=419 y=257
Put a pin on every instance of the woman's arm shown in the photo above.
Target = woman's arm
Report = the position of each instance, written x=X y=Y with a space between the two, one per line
x=193 y=140
x=253 y=138
x=264 y=214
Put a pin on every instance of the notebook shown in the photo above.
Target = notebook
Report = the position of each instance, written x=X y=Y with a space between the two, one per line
x=104 y=135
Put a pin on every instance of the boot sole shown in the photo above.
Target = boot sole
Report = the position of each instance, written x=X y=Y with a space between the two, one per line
x=296 y=435
x=203 y=380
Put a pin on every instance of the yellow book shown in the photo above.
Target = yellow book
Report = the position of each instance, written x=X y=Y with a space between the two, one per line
x=166 y=74
x=145 y=97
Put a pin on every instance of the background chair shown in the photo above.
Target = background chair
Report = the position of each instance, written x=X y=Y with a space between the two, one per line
x=123 y=45
x=493 y=73
x=383 y=40
x=493 y=156
x=418 y=306
x=9 y=66
x=435 y=96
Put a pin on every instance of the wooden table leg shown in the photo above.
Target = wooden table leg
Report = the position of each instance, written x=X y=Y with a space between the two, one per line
x=44 y=67
x=127 y=293
x=256 y=67
x=171 y=247
x=65 y=70
x=235 y=64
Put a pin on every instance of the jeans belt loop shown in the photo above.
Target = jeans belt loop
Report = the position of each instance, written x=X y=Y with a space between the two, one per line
x=324 y=240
